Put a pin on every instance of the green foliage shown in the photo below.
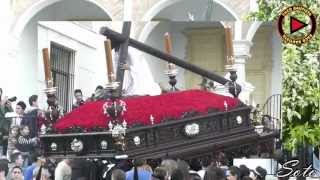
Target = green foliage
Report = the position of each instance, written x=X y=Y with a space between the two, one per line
x=301 y=78
x=303 y=134
x=269 y=10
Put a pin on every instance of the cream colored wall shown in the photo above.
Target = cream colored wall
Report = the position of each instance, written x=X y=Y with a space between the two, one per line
x=90 y=69
x=140 y=9
x=240 y=7
x=205 y=48
x=259 y=66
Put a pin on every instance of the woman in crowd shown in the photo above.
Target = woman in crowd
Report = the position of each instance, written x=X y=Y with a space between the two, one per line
x=258 y=174
x=138 y=172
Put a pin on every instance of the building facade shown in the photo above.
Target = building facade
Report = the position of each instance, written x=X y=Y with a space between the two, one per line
x=196 y=27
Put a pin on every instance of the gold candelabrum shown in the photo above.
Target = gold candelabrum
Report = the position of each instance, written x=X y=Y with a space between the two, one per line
x=115 y=110
x=171 y=70
x=116 y=107
x=172 y=73
x=112 y=85
x=231 y=85
x=50 y=89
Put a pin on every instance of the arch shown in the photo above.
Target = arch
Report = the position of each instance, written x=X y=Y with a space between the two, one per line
x=155 y=9
x=252 y=30
x=147 y=29
x=27 y=15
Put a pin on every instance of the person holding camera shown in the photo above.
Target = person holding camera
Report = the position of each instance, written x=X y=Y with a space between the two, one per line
x=5 y=107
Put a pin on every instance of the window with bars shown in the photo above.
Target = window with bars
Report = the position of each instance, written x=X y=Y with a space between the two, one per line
x=62 y=60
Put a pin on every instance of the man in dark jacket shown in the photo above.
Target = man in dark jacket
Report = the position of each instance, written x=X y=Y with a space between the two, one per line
x=79 y=99
x=33 y=116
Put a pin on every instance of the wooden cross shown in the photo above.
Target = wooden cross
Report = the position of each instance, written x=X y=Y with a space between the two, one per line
x=126 y=41
x=123 y=55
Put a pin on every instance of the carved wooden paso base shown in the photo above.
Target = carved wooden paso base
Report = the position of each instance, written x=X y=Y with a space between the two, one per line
x=193 y=135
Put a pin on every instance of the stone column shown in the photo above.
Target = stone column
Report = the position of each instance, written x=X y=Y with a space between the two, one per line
x=241 y=55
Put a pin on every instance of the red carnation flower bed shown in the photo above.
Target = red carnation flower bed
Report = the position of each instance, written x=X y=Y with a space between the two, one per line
x=171 y=105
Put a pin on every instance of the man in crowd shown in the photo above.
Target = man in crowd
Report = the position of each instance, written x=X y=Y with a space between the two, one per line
x=16 y=161
x=3 y=169
x=233 y=173
x=63 y=170
x=5 y=106
x=38 y=161
x=16 y=173
x=16 y=117
x=99 y=93
x=33 y=116
x=79 y=99
x=138 y=172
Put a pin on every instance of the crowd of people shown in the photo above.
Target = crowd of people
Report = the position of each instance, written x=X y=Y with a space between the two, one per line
x=20 y=127
x=137 y=169
x=195 y=169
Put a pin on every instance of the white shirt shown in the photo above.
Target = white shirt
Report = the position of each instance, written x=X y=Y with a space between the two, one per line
x=138 y=80
x=63 y=171
x=201 y=173
x=16 y=118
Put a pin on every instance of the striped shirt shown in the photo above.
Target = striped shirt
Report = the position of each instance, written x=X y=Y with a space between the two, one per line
x=25 y=144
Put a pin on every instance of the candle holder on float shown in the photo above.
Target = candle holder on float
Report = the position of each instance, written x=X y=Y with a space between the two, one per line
x=115 y=110
x=50 y=91
x=232 y=86
x=112 y=86
x=172 y=72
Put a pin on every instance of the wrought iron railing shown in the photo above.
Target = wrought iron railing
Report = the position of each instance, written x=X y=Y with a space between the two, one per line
x=63 y=64
x=272 y=110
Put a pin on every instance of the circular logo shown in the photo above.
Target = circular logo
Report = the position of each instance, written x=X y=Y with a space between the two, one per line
x=296 y=25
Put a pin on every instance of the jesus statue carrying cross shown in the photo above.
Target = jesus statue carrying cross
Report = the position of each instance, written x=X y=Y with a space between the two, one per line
x=138 y=79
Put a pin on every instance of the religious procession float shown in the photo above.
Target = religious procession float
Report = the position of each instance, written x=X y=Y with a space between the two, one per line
x=186 y=123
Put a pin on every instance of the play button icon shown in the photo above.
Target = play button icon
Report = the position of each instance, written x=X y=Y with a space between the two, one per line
x=302 y=25
x=296 y=24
